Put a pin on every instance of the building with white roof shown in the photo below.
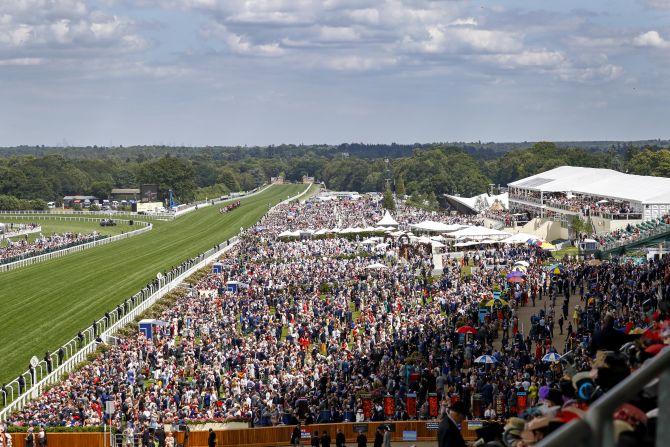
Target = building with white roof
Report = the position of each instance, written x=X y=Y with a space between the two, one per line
x=574 y=191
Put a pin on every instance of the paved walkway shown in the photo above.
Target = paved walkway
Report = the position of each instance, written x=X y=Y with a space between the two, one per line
x=525 y=312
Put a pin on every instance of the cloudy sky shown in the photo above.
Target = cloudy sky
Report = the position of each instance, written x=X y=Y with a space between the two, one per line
x=197 y=72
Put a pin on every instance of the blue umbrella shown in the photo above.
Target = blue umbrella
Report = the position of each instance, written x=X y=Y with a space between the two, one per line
x=486 y=359
x=551 y=357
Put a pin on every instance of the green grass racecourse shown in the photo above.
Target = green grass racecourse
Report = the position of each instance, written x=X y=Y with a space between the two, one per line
x=50 y=226
x=46 y=304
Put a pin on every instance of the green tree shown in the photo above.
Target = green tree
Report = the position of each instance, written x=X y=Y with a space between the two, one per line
x=400 y=186
x=101 y=190
x=170 y=173
x=388 y=201
x=578 y=225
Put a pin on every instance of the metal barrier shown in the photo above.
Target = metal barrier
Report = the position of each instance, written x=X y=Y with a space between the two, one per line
x=77 y=248
x=597 y=427
x=31 y=383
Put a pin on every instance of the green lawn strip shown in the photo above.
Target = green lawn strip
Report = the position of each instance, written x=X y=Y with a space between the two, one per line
x=46 y=304
x=570 y=251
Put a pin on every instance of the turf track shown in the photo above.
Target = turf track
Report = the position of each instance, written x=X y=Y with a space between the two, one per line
x=44 y=305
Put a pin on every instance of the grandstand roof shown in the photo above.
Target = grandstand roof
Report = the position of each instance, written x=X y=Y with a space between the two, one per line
x=599 y=182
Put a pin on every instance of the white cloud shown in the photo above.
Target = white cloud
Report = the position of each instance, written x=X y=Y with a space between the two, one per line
x=358 y=63
x=441 y=39
x=338 y=34
x=241 y=44
x=37 y=25
x=600 y=73
x=657 y=4
x=22 y=61
x=368 y=16
x=540 y=58
x=470 y=21
x=651 y=39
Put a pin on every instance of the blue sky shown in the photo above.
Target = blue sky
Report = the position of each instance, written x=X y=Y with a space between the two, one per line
x=255 y=72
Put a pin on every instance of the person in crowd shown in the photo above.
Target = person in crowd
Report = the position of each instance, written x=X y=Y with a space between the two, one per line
x=449 y=431
x=303 y=327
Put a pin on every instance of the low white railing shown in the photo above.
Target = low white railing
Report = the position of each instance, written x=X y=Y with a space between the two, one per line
x=75 y=351
x=146 y=226
x=108 y=213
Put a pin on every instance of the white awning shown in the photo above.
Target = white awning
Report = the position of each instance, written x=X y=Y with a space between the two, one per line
x=478 y=233
x=519 y=238
x=387 y=221
x=437 y=227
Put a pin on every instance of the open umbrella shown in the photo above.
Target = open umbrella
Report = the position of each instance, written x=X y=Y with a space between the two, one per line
x=376 y=266
x=486 y=359
x=551 y=357
x=558 y=270
x=515 y=274
x=547 y=246
x=466 y=330
x=524 y=263
x=516 y=279
x=490 y=303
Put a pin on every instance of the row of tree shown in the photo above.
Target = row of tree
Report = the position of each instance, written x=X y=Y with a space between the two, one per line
x=425 y=173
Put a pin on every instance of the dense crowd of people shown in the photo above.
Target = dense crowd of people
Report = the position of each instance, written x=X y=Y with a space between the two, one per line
x=507 y=217
x=588 y=206
x=632 y=233
x=15 y=250
x=324 y=330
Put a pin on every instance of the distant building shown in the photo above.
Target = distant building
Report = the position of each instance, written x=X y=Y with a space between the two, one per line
x=149 y=192
x=306 y=179
x=277 y=180
x=569 y=191
x=125 y=194
x=71 y=201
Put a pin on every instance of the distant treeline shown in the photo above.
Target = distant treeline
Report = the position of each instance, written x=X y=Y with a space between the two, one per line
x=421 y=170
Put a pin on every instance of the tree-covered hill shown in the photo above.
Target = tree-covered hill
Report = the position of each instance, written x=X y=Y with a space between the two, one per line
x=423 y=169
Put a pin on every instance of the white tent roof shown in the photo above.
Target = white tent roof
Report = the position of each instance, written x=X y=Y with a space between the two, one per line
x=387 y=221
x=375 y=266
x=477 y=233
x=518 y=238
x=466 y=244
x=481 y=202
x=599 y=182
x=438 y=227
x=288 y=233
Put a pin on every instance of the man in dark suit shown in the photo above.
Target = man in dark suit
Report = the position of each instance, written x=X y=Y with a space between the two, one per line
x=362 y=440
x=448 y=433
x=325 y=439
x=211 y=441
x=339 y=438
